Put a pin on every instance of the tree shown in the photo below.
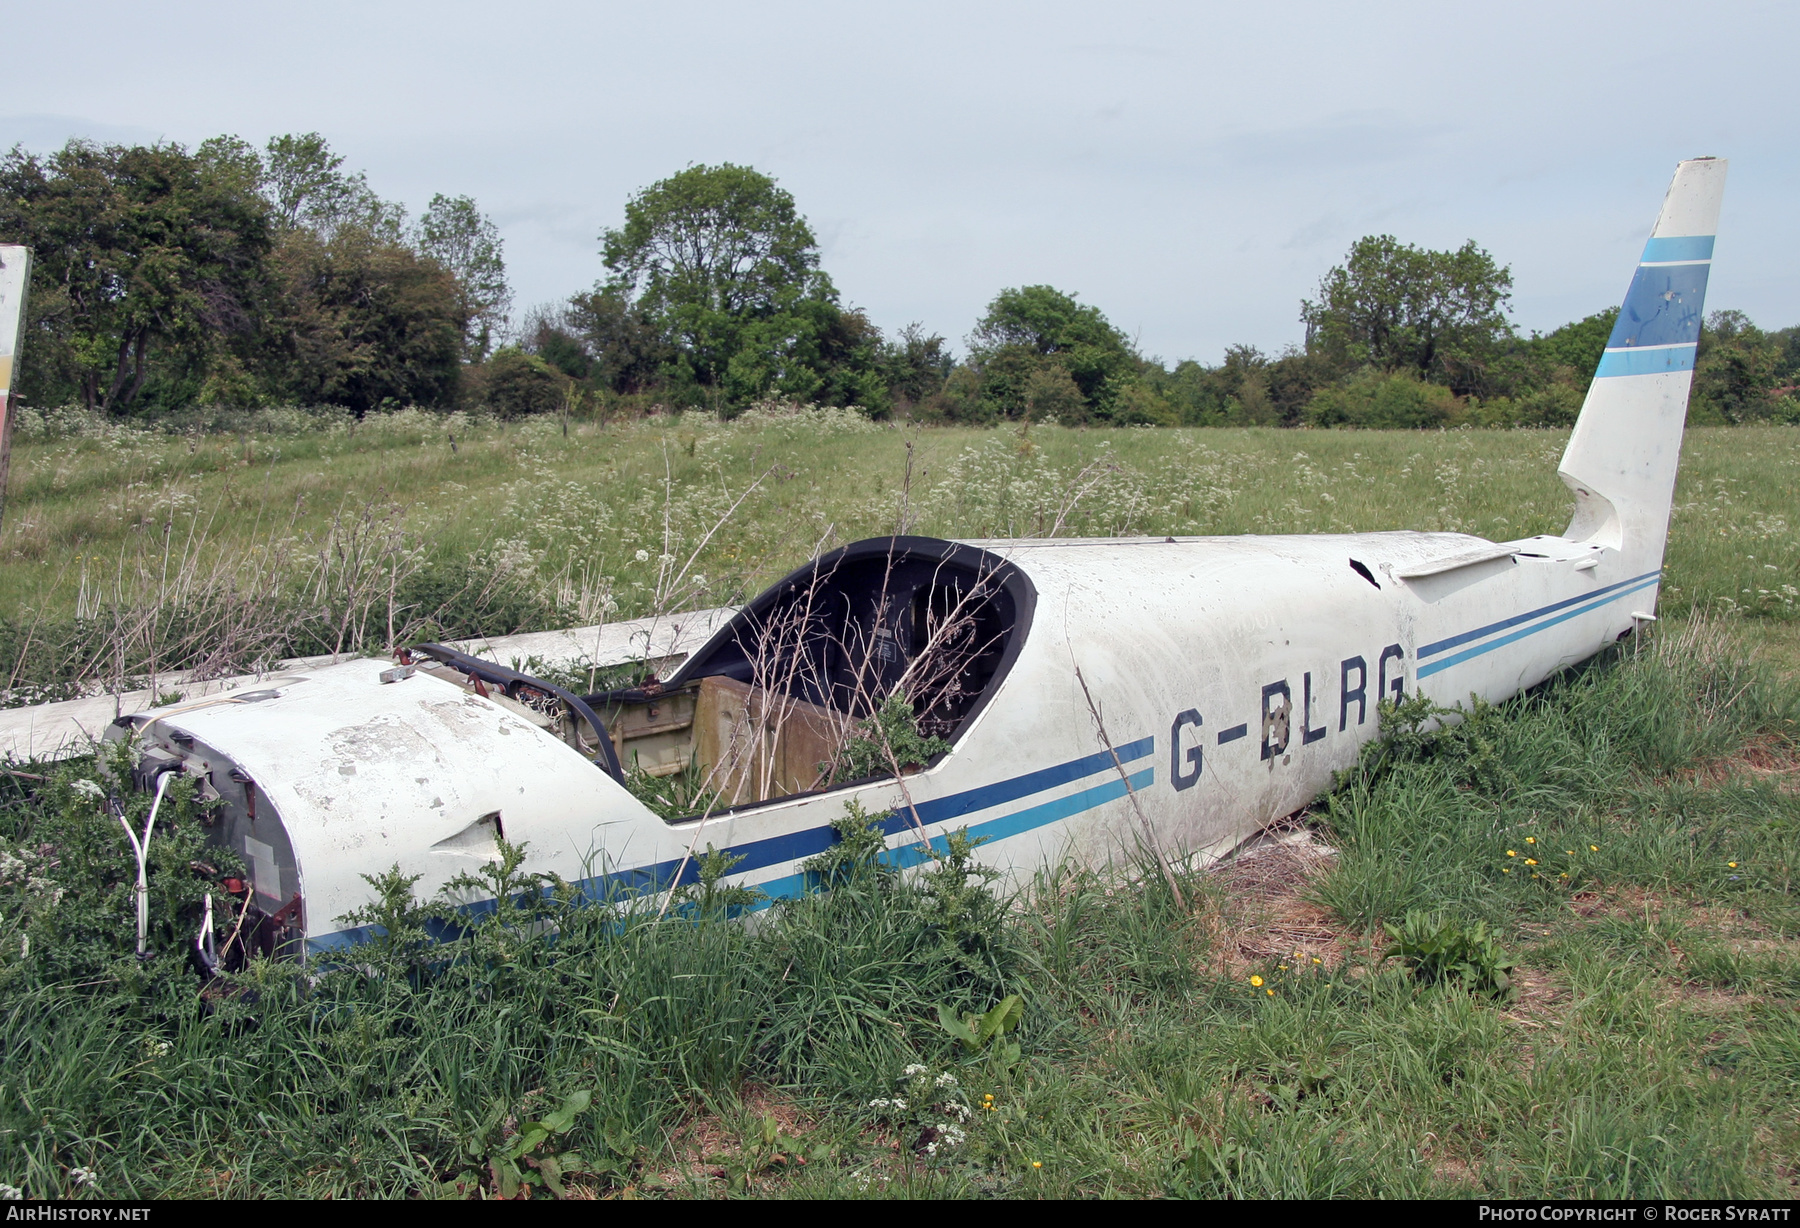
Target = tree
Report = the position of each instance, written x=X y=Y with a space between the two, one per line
x=520 y=384
x=366 y=323
x=548 y=332
x=1033 y=338
x=308 y=191
x=915 y=365
x=458 y=236
x=1736 y=370
x=141 y=252
x=1383 y=401
x=1575 y=347
x=625 y=346
x=720 y=263
x=1395 y=306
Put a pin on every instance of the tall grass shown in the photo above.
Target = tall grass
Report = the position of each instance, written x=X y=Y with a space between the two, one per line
x=596 y=513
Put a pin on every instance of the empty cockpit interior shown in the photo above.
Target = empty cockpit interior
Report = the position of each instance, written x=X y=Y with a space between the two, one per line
x=771 y=706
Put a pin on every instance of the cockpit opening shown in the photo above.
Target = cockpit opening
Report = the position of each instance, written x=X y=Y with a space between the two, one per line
x=768 y=707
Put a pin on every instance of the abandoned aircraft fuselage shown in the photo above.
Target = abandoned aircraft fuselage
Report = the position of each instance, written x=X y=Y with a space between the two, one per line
x=1096 y=693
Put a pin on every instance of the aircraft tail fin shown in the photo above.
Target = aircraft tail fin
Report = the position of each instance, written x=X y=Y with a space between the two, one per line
x=1622 y=457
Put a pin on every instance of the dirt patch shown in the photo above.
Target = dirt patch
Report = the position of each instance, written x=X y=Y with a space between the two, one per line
x=1766 y=757
x=1453 y=1170
x=1672 y=918
x=707 y=1141
x=1258 y=912
x=1541 y=1001
x=1711 y=1000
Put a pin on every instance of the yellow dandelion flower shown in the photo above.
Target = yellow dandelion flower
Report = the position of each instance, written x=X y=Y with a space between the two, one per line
x=1506 y=869
x=1531 y=861
x=1593 y=848
x=1256 y=981
x=1037 y=1163
x=1570 y=852
x=1317 y=960
x=1281 y=967
x=1270 y=992
x=1731 y=865
x=1530 y=839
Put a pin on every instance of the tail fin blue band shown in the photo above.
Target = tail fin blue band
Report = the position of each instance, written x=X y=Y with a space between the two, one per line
x=1646 y=360
x=1678 y=249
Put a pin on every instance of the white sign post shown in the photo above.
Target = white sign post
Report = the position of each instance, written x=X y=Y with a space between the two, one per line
x=15 y=284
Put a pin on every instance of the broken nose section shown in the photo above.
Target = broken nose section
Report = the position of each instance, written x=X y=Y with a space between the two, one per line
x=360 y=772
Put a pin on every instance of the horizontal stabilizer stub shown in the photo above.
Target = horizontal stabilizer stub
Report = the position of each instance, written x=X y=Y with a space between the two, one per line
x=1454 y=562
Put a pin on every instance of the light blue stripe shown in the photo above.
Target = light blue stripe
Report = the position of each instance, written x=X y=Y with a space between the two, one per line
x=1681 y=247
x=1029 y=819
x=907 y=855
x=1646 y=362
x=1431 y=650
x=1595 y=604
x=793 y=885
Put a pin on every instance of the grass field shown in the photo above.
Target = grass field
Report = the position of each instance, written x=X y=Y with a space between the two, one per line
x=105 y=510
x=1644 y=1043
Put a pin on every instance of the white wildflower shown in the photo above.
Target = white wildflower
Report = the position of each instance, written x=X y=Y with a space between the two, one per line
x=642 y=556
x=83 y=1176
x=945 y=1080
x=88 y=788
x=10 y=1193
x=914 y=1070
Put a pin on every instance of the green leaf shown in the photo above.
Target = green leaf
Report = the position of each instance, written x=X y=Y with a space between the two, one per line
x=564 y=1117
x=1006 y=1016
x=533 y=1133
x=506 y=1177
x=550 y=1168
x=961 y=1031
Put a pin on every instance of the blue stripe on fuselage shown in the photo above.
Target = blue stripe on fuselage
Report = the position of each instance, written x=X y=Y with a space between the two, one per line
x=959 y=804
x=796 y=846
x=1591 y=603
x=1431 y=650
x=1013 y=824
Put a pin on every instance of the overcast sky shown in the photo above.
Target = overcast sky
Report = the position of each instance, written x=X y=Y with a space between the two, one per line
x=1191 y=169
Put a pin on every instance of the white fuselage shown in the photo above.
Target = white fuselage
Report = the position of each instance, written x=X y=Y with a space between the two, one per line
x=1233 y=677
